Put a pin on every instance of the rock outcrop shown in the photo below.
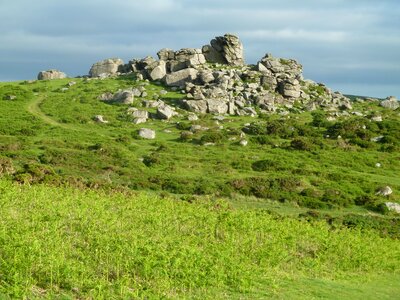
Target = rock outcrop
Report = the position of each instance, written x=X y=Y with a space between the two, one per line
x=51 y=74
x=106 y=67
x=273 y=85
x=226 y=49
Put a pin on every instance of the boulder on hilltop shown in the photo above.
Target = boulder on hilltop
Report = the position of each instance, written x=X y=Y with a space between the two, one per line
x=106 y=67
x=51 y=74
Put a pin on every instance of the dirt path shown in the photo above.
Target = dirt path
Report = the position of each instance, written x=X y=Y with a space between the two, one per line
x=34 y=108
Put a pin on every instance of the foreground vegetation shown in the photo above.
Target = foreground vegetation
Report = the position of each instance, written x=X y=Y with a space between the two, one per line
x=65 y=243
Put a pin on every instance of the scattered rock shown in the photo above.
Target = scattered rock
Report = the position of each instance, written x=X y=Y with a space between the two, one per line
x=192 y=117
x=139 y=120
x=385 y=191
x=377 y=138
x=165 y=112
x=99 y=119
x=392 y=206
x=142 y=114
x=391 y=102
x=147 y=133
x=377 y=119
x=243 y=143
x=10 y=97
x=123 y=97
x=106 y=96
x=51 y=74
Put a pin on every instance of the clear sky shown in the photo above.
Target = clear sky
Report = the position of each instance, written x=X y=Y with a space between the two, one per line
x=351 y=45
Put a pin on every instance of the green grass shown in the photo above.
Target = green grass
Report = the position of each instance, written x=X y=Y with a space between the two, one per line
x=65 y=243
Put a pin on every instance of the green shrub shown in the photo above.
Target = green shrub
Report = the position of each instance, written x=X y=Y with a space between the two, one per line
x=301 y=143
x=212 y=137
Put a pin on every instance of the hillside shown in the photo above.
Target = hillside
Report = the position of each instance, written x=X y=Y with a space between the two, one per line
x=183 y=145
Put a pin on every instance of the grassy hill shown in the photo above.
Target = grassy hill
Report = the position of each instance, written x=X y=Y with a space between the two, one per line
x=296 y=207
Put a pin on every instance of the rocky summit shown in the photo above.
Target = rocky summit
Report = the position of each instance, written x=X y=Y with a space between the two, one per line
x=51 y=74
x=216 y=80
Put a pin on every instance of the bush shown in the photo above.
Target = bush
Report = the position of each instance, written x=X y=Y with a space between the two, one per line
x=263 y=165
x=152 y=159
x=212 y=137
x=301 y=144
x=319 y=119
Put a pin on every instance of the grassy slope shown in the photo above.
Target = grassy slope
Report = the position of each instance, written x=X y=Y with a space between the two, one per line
x=55 y=129
x=57 y=242
x=65 y=243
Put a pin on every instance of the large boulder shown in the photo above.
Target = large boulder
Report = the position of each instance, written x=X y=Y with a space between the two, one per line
x=157 y=70
x=106 y=67
x=198 y=106
x=166 y=54
x=280 y=67
x=290 y=88
x=124 y=97
x=179 y=78
x=51 y=74
x=217 y=106
x=390 y=103
x=225 y=49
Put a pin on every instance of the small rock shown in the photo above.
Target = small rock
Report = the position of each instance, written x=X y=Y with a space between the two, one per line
x=219 y=118
x=377 y=138
x=243 y=143
x=385 y=191
x=106 y=96
x=392 y=206
x=147 y=133
x=377 y=119
x=139 y=120
x=99 y=119
x=10 y=97
x=378 y=165
x=192 y=117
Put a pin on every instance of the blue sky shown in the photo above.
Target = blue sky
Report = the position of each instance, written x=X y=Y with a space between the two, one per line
x=352 y=46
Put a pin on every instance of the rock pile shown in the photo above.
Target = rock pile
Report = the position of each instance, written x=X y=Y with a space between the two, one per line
x=216 y=80
x=51 y=74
